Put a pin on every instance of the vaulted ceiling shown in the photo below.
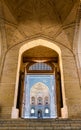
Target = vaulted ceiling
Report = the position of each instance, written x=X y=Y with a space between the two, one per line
x=52 y=18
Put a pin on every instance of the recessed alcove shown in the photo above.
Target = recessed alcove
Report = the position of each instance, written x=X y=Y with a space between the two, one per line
x=43 y=61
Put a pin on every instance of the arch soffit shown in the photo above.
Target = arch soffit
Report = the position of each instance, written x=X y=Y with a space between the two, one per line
x=39 y=42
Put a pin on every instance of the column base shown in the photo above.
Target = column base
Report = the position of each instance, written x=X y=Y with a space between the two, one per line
x=64 y=112
x=15 y=113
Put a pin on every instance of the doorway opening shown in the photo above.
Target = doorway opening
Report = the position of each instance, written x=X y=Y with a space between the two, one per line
x=39 y=113
x=41 y=84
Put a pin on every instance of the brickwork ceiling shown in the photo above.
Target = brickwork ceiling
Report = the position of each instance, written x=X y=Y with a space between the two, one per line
x=52 y=18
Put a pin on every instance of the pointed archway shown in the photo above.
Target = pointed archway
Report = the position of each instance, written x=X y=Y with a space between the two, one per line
x=27 y=47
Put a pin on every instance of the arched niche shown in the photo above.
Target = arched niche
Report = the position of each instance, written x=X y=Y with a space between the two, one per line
x=26 y=47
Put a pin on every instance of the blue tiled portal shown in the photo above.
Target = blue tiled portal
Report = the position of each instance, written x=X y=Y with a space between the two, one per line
x=49 y=81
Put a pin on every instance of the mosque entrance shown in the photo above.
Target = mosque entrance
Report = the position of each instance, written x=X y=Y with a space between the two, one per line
x=39 y=113
x=40 y=94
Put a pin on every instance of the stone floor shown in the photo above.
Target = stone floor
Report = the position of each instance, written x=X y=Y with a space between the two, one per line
x=40 y=124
